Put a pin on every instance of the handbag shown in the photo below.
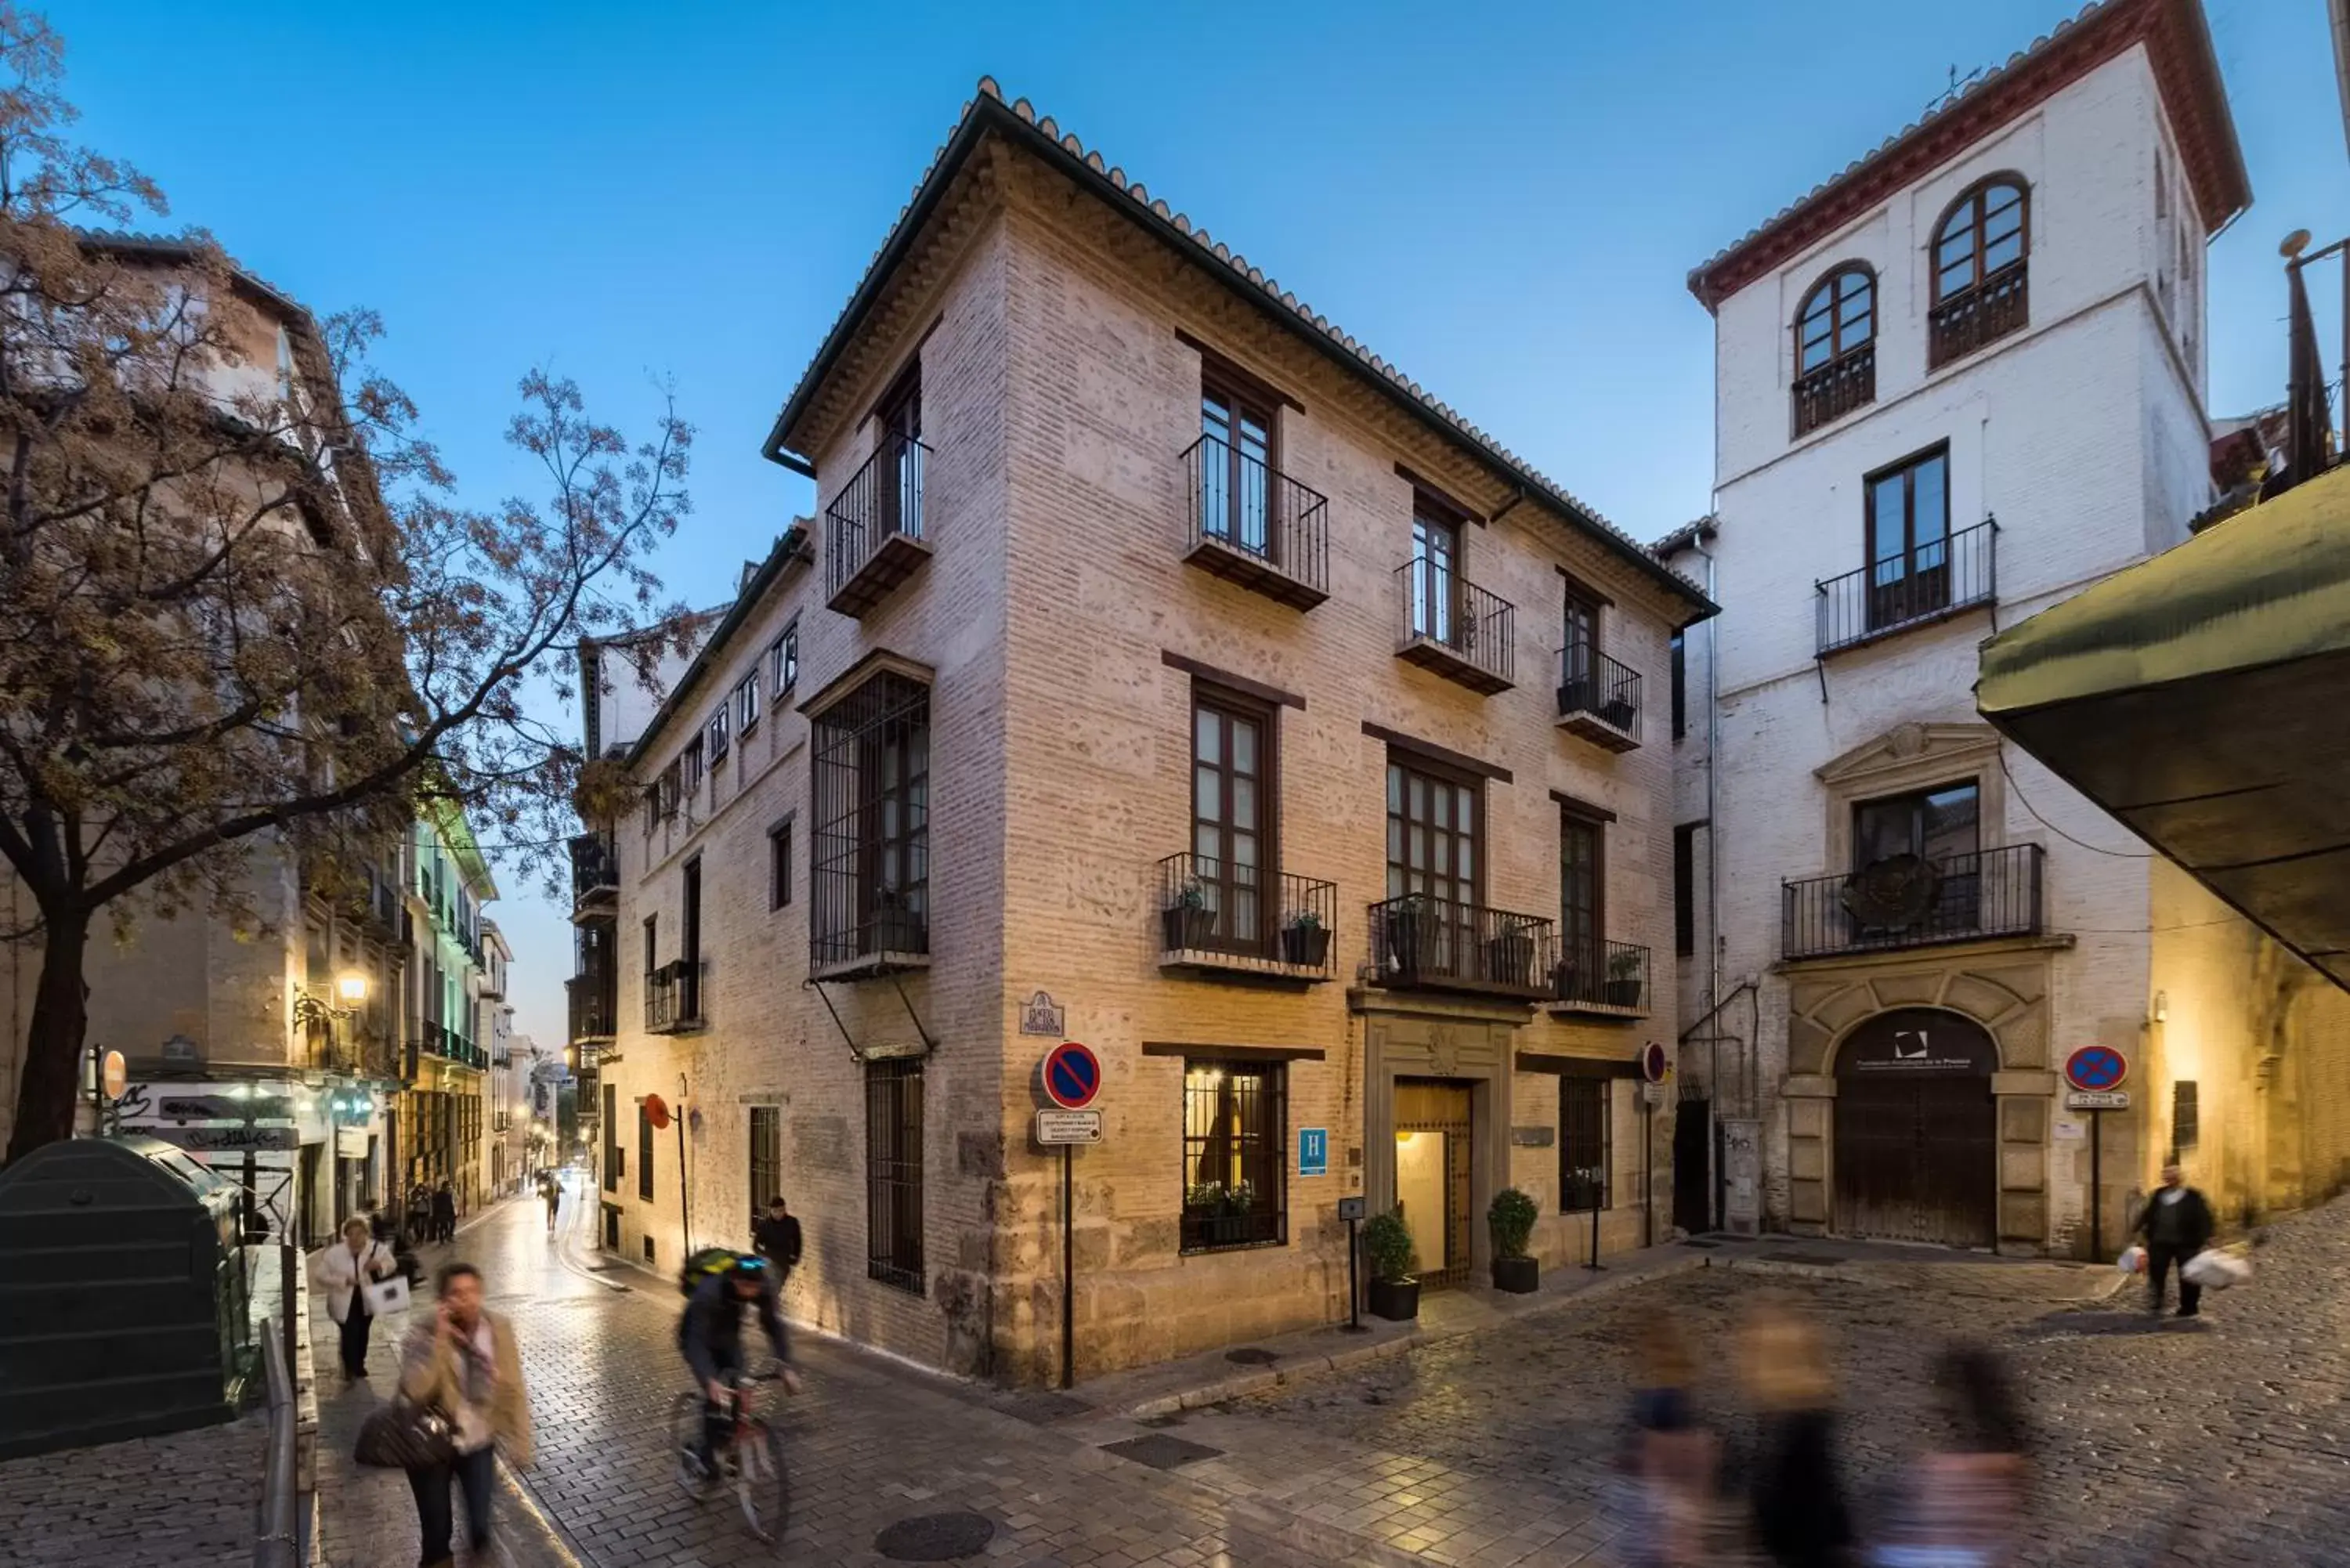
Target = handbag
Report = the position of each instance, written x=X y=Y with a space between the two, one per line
x=387 y=1296
x=406 y=1436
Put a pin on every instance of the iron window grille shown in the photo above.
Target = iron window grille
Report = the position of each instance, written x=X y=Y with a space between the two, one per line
x=766 y=1159
x=1235 y=1141
x=1583 y=1146
x=644 y=1155
x=893 y=1173
x=869 y=854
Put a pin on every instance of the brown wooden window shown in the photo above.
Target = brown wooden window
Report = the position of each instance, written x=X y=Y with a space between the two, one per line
x=1909 y=522
x=1236 y=468
x=1836 y=347
x=1939 y=824
x=1583 y=1148
x=1579 y=671
x=893 y=1172
x=1436 y=572
x=779 y=864
x=1235 y=1162
x=1233 y=816
x=1435 y=829
x=644 y=1153
x=900 y=498
x=1979 y=250
x=766 y=1159
x=1582 y=894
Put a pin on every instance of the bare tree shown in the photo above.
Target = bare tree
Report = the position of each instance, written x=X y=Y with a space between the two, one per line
x=240 y=614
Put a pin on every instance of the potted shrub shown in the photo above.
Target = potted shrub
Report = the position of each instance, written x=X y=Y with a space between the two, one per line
x=1511 y=955
x=1624 y=979
x=1511 y=1221
x=1576 y=694
x=1387 y=1248
x=1406 y=936
x=1305 y=941
x=1188 y=920
x=1618 y=710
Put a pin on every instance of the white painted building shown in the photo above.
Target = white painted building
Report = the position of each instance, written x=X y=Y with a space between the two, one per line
x=1959 y=381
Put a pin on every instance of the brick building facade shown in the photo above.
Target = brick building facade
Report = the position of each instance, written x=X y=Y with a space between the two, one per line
x=1164 y=672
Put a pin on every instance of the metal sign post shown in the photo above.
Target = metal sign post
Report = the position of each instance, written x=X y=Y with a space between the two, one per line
x=1071 y=1075
x=1068 y=1273
x=1350 y=1209
x=2094 y=1075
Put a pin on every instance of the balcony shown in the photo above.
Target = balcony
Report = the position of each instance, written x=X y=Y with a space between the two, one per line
x=1456 y=629
x=1599 y=699
x=1602 y=979
x=1909 y=901
x=593 y=1007
x=1930 y=582
x=862 y=932
x=1228 y=921
x=674 y=998
x=1254 y=526
x=1828 y=392
x=874 y=528
x=595 y=873
x=1421 y=943
x=1995 y=307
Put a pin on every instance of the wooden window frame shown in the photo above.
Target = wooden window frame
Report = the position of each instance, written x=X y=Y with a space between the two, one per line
x=1237 y=705
x=1679 y=654
x=746 y=703
x=720 y=733
x=1267 y=1141
x=644 y=1154
x=1601 y=1094
x=1575 y=815
x=1435 y=771
x=1829 y=285
x=779 y=866
x=1973 y=198
x=893 y=1168
x=1907 y=468
x=764 y=1146
x=691 y=766
x=783 y=656
x=689 y=941
x=1685 y=889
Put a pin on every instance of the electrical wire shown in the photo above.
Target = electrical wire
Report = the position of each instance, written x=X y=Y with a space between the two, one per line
x=2026 y=804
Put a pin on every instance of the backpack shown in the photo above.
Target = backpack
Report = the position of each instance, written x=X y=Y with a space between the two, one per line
x=701 y=1265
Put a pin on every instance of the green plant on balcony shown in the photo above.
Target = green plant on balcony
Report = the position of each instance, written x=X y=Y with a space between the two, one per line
x=1624 y=983
x=1188 y=920
x=1305 y=941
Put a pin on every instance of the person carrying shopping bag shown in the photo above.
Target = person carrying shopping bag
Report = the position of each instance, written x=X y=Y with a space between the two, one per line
x=344 y=1271
x=464 y=1364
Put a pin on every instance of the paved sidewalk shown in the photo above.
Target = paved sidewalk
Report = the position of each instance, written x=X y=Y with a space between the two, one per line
x=185 y=1500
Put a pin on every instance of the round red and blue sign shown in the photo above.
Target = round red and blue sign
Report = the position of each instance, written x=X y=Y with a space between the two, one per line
x=2094 y=1068
x=1072 y=1075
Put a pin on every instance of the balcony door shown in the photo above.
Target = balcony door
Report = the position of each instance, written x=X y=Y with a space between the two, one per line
x=1231 y=818
x=1434 y=848
x=901 y=489
x=1582 y=883
x=1910 y=540
x=1436 y=576
x=1235 y=471
x=1939 y=833
x=1578 y=672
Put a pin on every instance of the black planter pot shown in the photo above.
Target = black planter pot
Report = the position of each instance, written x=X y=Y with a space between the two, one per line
x=1619 y=713
x=1304 y=946
x=1577 y=697
x=1623 y=993
x=1510 y=959
x=1404 y=944
x=1516 y=1275
x=1187 y=928
x=1217 y=1229
x=1398 y=1301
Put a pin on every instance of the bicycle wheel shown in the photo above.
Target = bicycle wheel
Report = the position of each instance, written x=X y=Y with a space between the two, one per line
x=685 y=1432
x=761 y=1482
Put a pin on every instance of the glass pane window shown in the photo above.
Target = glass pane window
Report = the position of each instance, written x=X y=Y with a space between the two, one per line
x=1235 y=1139
x=1583 y=1146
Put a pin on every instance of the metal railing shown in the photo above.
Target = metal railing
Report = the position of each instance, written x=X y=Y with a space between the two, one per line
x=1830 y=392
x=1591 y=682
x=673 y=997
x=1602 y=975
x=882 y=501
x=1423 y=943
x=1999 y=305
x=1933 y=578
x=1245 y=917
x=1910 y=901
x=593 y=1005
x=1442 y=607
x=279 y=1543
x=1243 y=504
x=595 y=870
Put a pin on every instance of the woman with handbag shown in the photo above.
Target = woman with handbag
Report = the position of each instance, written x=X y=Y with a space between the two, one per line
x=465 y=1367
x=344 y=1271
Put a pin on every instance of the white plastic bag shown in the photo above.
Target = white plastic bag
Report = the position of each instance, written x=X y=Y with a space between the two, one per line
x=2215 y=1269
x=386 y=1298
x=2132 y=1261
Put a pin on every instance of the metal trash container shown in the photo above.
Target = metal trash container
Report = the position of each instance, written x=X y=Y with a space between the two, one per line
x=122 y=1295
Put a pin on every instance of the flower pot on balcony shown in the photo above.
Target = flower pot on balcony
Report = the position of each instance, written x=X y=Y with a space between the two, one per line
x=1304 y=945
x=1619 y=713
x=1519 y=1276
x=1188 y=926
x=1568 y=982
x=1575 y=697
x=1510 y=959
x=1398 y=1301
x=1624 y=993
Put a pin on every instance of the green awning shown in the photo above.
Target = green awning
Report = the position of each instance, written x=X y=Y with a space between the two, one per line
x=2203 y=697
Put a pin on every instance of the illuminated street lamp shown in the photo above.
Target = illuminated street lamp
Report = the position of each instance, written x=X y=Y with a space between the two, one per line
x=352 y=989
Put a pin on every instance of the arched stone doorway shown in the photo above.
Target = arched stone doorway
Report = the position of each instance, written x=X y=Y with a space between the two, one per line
x=1917 y=1130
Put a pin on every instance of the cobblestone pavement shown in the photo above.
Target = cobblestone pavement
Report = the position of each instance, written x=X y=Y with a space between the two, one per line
x=2157 y=1443
x=194 y=1495
x=870 y=1444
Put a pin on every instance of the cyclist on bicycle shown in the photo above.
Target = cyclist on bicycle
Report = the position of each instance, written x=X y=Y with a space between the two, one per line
x=710 y=1335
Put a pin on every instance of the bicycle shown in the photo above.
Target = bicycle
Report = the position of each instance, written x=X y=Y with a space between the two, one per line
x=750 y=1459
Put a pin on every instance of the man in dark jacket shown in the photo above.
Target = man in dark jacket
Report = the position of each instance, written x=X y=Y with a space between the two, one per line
x=2177 y=1224
x=444 y=1214
x=778 y=1238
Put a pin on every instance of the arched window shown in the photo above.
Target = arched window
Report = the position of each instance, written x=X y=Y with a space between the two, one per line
x=1980 y=248
x=1835 y=347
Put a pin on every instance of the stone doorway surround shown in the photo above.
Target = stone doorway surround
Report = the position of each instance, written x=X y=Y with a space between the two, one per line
x=2004 y=987
x=1412 y=1035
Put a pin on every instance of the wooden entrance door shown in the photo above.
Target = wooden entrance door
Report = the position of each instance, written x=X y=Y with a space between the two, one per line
x=1435 y=1150
x=1916 y=1130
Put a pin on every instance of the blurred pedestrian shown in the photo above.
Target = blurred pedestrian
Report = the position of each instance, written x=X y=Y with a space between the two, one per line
x=550 y=1192
x=445 y=1212
x=1667 y=1470
x=464 y=1364
x=420 y=1214
x=1964 y=1498
x=344 y=1271
x=777 y=1238
x=2177 y=1224
x=1800 y=1516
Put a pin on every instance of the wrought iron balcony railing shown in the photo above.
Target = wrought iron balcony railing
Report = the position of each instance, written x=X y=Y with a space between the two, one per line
x=1219 y=915
x=595 y=870
x=594 y=1006
x=1419 y=943
x=1599 y=699
x=1599 y=976
x=873 y=537
x=1934 y=578
x=1456 y=629
x=1999 y=305
x=1254 y=526
x=674 y=998
x=1828 y=392
x=1910 y=901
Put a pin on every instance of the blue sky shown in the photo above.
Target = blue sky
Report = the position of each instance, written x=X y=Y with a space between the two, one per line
x=1506 y=204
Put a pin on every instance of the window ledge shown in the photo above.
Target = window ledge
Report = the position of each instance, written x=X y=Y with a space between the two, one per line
x=1230 y=1247
x=866 y=966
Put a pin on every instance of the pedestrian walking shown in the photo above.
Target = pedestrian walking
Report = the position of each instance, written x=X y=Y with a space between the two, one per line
x=444 y=1213
x=1801 y=1519
x=420 y=1214
x=343 y=1271
x=2177 y=1224
x=1963 y=1498
x=464 y=1364
x=777 y=1238
x=551 y=1190
x=1666 y=1473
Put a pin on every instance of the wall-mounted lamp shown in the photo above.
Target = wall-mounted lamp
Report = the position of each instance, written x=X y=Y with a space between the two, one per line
x=2161 y=1007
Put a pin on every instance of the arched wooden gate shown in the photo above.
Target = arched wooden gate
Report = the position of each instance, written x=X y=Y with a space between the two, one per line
x=1916 y=1130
